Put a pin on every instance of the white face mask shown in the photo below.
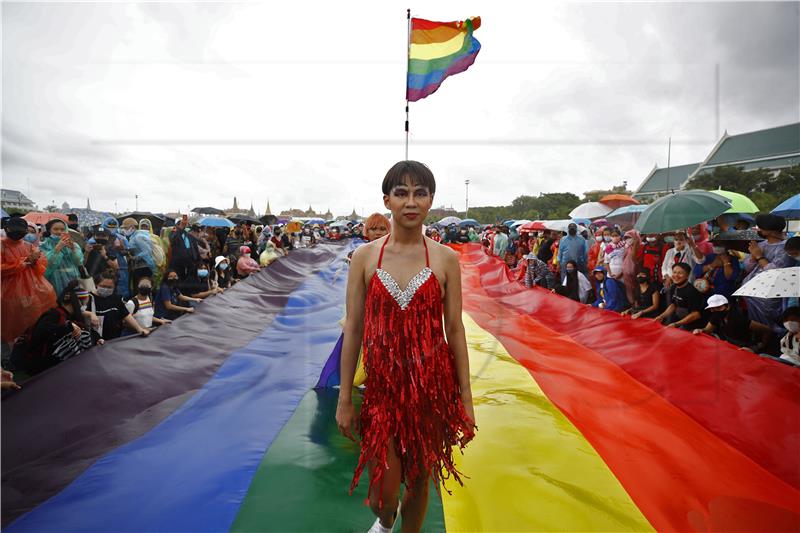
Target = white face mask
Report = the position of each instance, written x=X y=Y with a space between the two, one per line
x=599 y=238
x=719 y=249
x=651 y=239
x=792 y=327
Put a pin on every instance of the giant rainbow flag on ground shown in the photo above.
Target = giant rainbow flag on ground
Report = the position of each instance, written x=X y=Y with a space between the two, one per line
x=438 y=50
x=588 y=421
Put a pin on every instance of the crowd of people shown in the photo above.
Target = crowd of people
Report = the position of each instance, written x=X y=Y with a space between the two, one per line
x=684 y=279
x=67 y=288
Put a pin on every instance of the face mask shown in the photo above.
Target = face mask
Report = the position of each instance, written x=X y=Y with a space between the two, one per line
x=607 y=238
x=573 y=232
x=718 y=249
x=128 y=231
x=202 y=272
x=104 y=292
x=101 y=242
x=792 y=327
x=599 y=238
x=172 y=282
x=641 y=279
x=669 y=239
x=29 y=237
x=570 y=271
x=223 y=266
x=651 y=239
x=144 y=290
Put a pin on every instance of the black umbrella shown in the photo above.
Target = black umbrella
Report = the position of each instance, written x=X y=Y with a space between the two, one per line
x=157 y=221
x=208 y=211
x=244 y=218
x=268 y=220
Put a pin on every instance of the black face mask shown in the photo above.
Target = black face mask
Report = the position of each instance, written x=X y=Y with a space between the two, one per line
x=101 y=242
x=16 y=235
x=573 y=232
x=145 y=291
x=641 y=279
x=172 y=282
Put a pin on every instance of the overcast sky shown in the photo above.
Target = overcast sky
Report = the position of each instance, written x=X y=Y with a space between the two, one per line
x=302 y=103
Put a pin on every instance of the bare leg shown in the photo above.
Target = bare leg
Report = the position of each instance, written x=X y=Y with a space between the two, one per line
x=390 y=487
x=415 y=506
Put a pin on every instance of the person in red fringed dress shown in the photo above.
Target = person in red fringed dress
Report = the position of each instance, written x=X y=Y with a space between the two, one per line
x=418 y=402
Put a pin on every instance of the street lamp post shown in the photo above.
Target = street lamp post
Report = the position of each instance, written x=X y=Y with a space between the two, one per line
x=137 y=202
x=466 y=210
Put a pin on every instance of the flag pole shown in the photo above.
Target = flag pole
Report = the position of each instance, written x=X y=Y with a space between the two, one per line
x=408 y=60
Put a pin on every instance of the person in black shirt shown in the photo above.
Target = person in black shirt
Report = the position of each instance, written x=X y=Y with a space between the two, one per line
x=101 y=256
x=648 y=301
x=221 y=275
x=545 y=252
x=185 y=253
x=110 y=309
x=729 y=324
x=686 y=308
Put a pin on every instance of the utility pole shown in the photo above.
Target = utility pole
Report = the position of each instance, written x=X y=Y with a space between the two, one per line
x=466 y=209
x=137 y=202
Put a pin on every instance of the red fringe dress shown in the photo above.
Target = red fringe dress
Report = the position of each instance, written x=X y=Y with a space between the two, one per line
x=412 y=394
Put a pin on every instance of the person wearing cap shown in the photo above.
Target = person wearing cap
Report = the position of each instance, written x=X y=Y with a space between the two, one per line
x=128 y=227
x=766 y=255
x=221 y=276
x=101 y=255
x=573 y=247
x=246 y=265
x=729 y=324
x=537 y=274
x=609 y=293
x=25 y=293
x=685 y=309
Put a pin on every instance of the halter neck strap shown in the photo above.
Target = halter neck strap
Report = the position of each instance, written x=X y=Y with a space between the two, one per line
x=424 y=242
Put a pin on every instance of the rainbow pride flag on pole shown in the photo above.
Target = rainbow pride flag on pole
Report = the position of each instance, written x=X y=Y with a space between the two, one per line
x=437 y=50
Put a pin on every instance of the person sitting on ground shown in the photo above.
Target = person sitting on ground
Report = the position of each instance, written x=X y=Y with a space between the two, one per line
x=537 y=274
x=141 y=305
x=731 y=325
x=648 y=301
x=245 y=264
x=57 y=335
x=222 y=273
x=169 y=298
x=608 y=291
x=109 y=308
x=685 y=310
x=200 y=285
x=576 y=285
x=790 y=343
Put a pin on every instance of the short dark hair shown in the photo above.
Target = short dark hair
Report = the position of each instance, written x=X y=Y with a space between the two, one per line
x=419 y=173
x=72 y=216
x=790 y=311
x=792 y=244
x=685 y=266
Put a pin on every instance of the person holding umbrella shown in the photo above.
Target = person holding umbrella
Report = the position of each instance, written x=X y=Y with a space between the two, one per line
x=766 y=255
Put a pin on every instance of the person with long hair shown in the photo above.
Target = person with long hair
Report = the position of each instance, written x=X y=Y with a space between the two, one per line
x=64 y=257
x=418 y=401
x=575 y=286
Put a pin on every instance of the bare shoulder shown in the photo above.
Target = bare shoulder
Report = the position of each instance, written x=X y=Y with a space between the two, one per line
x=365 y=257
x=442 y=254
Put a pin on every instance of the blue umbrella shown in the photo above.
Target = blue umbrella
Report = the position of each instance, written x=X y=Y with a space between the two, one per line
x=215 y=222
x=627 y=210
x=3 y=213
x=469 y=222
x=315 y=221
x=789 y=208
x=583 y=221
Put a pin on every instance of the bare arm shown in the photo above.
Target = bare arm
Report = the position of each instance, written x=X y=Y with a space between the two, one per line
x=454 y=329
x=351 y=344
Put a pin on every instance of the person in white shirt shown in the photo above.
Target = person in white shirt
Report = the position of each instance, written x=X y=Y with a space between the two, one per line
x=141 y=306
x=685 y=250
x=790 y=343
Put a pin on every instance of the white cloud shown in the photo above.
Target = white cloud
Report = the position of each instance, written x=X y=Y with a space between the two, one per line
x=567 y=97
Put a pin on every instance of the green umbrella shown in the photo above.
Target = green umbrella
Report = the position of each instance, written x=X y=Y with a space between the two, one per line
x=739 y=202
x=681 y=210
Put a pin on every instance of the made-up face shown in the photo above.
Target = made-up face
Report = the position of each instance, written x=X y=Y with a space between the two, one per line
x=408 y=203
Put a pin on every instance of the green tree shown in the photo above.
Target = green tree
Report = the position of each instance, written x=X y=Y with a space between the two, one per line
x=765 y=187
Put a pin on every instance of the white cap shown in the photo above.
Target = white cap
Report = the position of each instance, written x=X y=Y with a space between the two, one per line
x=219 y=259
x=716 y=300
